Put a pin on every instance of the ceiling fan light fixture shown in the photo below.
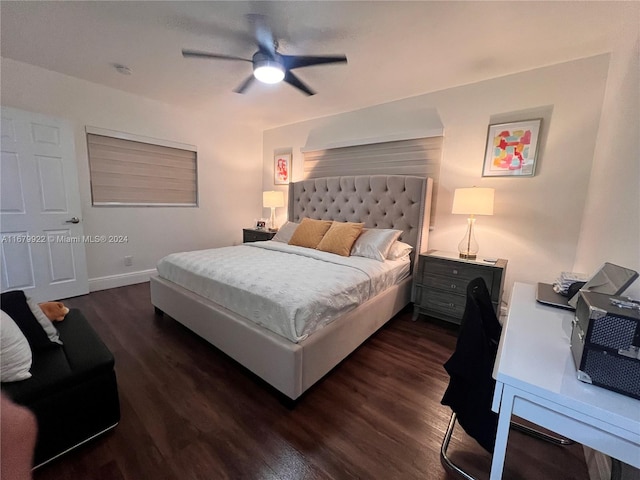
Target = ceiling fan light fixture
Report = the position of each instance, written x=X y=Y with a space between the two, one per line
x=268 y=71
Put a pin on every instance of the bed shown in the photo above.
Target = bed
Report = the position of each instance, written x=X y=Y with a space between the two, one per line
x=292 y=365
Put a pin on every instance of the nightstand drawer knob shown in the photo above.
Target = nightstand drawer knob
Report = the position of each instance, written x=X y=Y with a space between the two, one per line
x=453 y=286
x=455 y=272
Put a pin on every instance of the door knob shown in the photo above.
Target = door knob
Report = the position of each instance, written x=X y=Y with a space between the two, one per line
x=73 y=220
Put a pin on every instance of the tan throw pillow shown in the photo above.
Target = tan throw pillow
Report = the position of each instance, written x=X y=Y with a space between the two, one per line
x=340 y=238
x=310 y=232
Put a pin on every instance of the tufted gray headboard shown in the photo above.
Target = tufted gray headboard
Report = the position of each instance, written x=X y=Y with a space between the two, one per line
x=402 y=202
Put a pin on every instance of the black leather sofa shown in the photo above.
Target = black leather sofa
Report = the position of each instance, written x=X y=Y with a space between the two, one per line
x=72 y=392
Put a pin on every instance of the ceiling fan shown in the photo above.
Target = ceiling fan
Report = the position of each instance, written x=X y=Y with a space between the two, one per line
x=270 y=66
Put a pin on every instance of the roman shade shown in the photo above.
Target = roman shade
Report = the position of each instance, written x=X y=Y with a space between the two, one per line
x=126 y=171
x=416 y=156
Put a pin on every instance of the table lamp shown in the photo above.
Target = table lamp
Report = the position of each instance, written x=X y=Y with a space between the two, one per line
x=471 y=201
x=272 y=199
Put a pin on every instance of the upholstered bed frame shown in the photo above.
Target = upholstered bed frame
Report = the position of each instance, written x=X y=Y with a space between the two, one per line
x=380 y=201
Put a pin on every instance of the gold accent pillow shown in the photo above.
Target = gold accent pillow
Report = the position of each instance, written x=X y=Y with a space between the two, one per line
x=340 y=238
x=310 y=232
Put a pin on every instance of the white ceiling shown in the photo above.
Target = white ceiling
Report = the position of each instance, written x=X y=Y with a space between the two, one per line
x=394 y=49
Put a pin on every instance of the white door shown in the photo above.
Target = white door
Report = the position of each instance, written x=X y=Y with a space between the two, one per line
x=43 y=249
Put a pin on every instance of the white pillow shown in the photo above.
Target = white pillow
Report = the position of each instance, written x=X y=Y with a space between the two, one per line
x=285 y=232
x=15 y=354
x=399 y=250
x=375 y=243
x=43 y=320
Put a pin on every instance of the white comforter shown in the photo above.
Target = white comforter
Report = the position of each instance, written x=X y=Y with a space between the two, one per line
x=289 y=290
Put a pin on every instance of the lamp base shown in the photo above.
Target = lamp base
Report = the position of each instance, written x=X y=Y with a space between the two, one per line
x=272 y=220
x=468 y=247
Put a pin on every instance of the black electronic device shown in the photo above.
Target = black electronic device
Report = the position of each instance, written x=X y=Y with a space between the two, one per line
x=605 y=342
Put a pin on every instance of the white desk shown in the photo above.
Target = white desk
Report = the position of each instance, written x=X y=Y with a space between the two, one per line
x=536 y=380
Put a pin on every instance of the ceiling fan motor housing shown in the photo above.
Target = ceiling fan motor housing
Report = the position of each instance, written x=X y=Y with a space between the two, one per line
x=268 y=68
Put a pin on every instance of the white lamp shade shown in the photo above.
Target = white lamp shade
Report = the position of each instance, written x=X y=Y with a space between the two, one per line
x=273 y=199
x=473 y=201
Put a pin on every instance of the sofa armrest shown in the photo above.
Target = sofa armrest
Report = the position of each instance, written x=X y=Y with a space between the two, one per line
x=84 y=349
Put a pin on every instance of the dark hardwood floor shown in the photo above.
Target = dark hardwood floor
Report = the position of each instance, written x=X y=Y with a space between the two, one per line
x=190 y=412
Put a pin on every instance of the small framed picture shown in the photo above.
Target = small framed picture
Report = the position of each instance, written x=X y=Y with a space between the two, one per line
x=281 y=168
x=261 y=224
x=512 y=149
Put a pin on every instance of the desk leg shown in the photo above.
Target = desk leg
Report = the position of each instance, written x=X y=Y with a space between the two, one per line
x=502 y=435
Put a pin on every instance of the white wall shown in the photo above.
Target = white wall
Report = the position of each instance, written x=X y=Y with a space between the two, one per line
x=537 y=220
x=611 y=222
x=229 y=169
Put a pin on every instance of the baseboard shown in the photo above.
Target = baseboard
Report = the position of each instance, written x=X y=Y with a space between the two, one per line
x=598 y=464
x=120 y=280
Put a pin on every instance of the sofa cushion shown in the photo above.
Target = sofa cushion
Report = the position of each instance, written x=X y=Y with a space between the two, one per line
x=15 y=304
x=82 y=356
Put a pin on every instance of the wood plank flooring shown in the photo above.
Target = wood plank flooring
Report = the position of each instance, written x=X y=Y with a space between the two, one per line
x=190 y=412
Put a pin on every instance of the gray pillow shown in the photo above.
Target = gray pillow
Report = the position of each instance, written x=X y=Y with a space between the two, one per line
x=285 y=232
x=375 y=243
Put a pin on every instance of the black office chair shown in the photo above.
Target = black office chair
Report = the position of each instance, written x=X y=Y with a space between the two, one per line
x=471 y=385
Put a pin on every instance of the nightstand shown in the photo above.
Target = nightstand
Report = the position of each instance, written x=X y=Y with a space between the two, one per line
x=253 y=235
x=441 y=284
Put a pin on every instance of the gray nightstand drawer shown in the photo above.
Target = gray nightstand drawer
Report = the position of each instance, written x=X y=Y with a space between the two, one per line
x=457 y=285
x=250 y=235
x=462 y=273
x=437 y=301
x=442 y=279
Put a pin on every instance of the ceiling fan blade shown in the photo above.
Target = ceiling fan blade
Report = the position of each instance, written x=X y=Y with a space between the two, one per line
x=263 y=33
x=291 y=79
x=298 y=61
x=207 y=27
x=198 y=54
x=245 y=84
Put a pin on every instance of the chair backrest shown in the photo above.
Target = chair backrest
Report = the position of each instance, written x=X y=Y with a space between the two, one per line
x=479 y=296
x=471 y=385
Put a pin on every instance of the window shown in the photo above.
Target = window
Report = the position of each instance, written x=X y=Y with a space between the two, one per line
x=129 y=170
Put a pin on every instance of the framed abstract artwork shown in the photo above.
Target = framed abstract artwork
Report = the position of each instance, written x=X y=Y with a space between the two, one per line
x=512 y=149
x=281 y=168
